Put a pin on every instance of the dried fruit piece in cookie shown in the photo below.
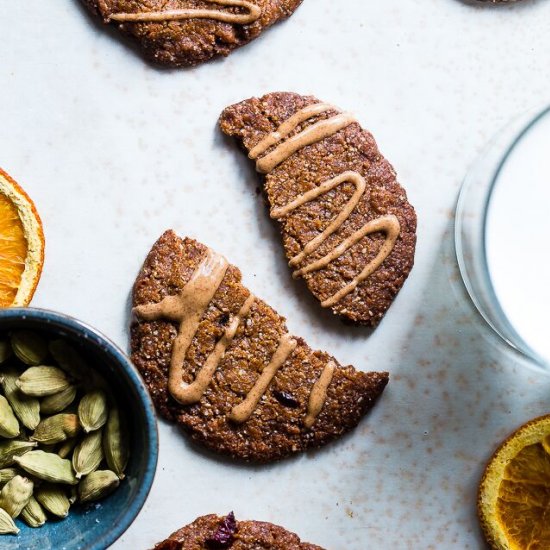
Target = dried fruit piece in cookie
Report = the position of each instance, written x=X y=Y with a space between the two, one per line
x=180 y=33
x=347 y=226
x=217 y=533
x=218 y=361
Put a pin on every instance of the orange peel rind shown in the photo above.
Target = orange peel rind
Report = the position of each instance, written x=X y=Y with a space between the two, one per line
x=514 y=493
x=21 y=244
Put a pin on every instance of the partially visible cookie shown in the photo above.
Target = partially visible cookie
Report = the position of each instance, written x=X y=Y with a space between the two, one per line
x=348 y=229
x=182 y=33
x=221 y=363
x=218 y=533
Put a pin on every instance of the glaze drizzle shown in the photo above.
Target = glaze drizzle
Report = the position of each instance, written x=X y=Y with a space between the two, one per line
x=252 y=14
x=242 y=412
x=319 y=394
x=285 y=147
x=187 y=308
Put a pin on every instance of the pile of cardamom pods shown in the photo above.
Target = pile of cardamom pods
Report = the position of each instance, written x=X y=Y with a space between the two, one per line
x=62 y=437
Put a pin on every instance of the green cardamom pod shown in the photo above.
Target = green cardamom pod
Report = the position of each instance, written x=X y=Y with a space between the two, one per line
x=70 y=360
x=42 y=381
x=88 y=454
x=115 y=443
x=92 y=410
x=73 y=497
x=47 y=466
x=7 y=474
x=15 y=495
x=26 y=408
x=10 y=449
x=5 y=350
x=54 y=499
x=9 y=427
x=7 y=525
x=56 y=429
x=97 y=485
x=66 y=448
x=29 y=347
x=58 y=401
x=33 y=514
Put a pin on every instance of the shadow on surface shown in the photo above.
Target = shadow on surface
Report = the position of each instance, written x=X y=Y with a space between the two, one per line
x=501 y=4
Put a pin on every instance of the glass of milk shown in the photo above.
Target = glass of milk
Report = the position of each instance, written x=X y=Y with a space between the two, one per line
x=502 y=235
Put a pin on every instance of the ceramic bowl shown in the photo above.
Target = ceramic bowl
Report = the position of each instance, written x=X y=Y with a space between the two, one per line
x=97 y=525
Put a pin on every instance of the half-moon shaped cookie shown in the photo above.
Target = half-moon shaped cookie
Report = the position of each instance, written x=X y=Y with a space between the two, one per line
x=182 y=33
x=348 y=229
x=218 y=533
x=220 y=362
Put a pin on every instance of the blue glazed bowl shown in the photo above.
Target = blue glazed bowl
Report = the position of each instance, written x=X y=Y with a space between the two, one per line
x=98 y=525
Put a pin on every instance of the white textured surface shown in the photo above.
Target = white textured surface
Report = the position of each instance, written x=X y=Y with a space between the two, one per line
x=114 y=151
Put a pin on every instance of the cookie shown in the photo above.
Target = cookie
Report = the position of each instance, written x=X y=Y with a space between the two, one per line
x=183 y=33
x=220 y=362
x=348 y=229
x=218 y=533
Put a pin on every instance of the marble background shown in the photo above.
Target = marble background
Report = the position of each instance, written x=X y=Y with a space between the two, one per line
x=114 y=151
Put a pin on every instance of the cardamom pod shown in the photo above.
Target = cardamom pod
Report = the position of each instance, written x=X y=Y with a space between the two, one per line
x=29 y=347
x=58 y=401
x=33 y=514
x=47 y=466
x=73 y=497
x=9 y=427
x=15 y=495
x=97 y=485
x=26 y=408
x=92 y=410
x=7 y=525
x=7 y=474
x=66 y=448
x=115 y=443
x=10 y=449
x=54 y=499
x=42 y=381
x=88 y=454
x=69 y=360
x=56 y=429
x=5 y=350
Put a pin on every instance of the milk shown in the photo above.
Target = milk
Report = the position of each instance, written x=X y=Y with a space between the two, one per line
x=517 y=238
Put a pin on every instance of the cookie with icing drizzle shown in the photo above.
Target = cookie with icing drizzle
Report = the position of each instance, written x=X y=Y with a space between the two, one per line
x=183 y=33
x=215 y=532
x=220 y=362
x=348 y=228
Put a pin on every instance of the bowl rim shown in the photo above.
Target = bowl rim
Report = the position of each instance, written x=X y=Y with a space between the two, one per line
x=67 y=322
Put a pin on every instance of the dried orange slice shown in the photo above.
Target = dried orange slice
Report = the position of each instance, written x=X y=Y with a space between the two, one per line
x=514 y=495
x=21 y=244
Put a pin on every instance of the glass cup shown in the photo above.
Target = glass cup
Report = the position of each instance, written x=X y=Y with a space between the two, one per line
x=502 y=235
